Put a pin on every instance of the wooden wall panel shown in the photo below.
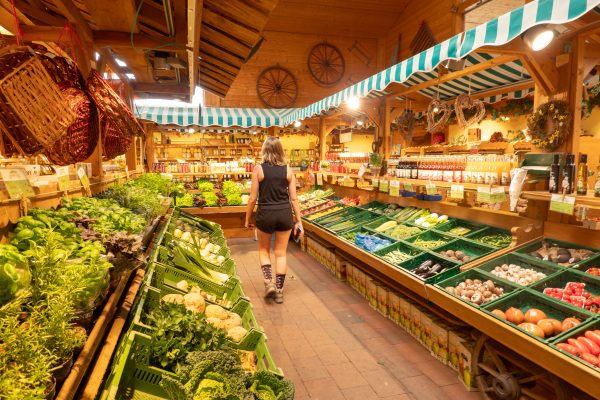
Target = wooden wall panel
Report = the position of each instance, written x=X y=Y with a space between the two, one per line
x=291 y=51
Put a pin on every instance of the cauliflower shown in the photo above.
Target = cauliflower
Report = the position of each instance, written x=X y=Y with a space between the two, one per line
x=237 y=333
x=183 y=285
x=194 y=302
x=232 y=321
x=215 y=311
x=216 y=322
x=173 y=298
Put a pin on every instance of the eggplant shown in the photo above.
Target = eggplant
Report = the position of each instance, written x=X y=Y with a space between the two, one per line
x=562 y=258
x=426 y=264
x=574 y=260
x=428 y=275
x=536 y=254
x=421 y=270
x=562 y=250
x=436 y=268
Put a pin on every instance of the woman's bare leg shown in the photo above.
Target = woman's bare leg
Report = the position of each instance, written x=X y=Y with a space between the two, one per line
x=280 y=251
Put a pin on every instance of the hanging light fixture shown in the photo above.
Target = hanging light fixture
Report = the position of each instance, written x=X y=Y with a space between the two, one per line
x=353 y=103
x=191 y=130
x=297 y=124
x=538 y=37
x=360 y=122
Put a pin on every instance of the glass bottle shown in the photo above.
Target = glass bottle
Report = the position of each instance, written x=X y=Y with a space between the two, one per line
x=582 y=175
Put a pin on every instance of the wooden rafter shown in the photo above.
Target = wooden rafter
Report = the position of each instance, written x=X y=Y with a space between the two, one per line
x=244 y=34
x=159 y=89
x=194 y=17
x=73 y=14
x=123 y=39
x=543 y=70
x=39 y=14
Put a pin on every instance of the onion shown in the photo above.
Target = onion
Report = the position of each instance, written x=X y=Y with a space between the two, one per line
x=569 y=323
x=532 y=329
x=547 y=326
x=514 y=315
x=557 y=325
x=499 y=313
x=534 y=315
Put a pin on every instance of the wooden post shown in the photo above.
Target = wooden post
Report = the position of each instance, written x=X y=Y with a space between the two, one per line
x=387 y=122
x=322 y=137
x=576 y=93
x=148 y=128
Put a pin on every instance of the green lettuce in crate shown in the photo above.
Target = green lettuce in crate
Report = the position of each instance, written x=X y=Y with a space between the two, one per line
x=205 y=186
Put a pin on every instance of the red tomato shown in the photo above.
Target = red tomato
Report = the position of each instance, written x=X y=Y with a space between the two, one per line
x=569 y=349
x=580 y=346
x=594 y=348
x=592 y=359
x=593 y=336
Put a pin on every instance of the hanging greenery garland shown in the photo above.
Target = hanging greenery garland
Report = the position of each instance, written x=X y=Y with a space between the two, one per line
x=549 y=124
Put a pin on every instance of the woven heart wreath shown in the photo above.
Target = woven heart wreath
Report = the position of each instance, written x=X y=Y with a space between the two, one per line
x=443 y=111
x=466 y=102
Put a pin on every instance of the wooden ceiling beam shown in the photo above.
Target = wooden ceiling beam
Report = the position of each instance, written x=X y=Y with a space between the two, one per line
x=543 y=70
x=217 y=76
x=243 y=33
x=123 y=39
x=210 y=67
x=72 y=13
x=217 y=38
x=209 y=87
x=142 y=87
x=214 y=82
x=232 y=59
x=454 y=75
x=194 y=18
x=233 y=69
x=39 y=14
x=240 y=11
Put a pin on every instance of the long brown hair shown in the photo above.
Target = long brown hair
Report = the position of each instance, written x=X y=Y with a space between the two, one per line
x=272 y=151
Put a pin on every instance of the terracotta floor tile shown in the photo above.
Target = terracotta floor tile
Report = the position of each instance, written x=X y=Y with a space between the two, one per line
x=360 y=393
x=441 y=374
x=318 y=337
x=383 y=383
x=323 y=389
x=346 y=375
x=331 y=354
x=424 y=388
x=310 y=368
x=363 y=360
x=406 y=396
x=413 y=351
x=458 y=390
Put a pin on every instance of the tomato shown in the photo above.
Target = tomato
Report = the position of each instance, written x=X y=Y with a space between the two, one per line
x=593 y=336
x=569 y=349
x=580 y=346
x=569 y=323
x=592 y=359
x=594 y=348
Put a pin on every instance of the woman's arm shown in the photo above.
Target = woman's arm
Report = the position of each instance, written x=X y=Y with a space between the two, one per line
x=294 y=200
x=253 y=195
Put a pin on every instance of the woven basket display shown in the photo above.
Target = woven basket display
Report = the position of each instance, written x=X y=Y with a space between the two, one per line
x=112 y=107
x=34 y=114
x=82 y=136
x=114 y=143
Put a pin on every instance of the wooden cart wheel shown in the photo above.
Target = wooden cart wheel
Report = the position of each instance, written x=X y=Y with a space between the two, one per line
x=326 y=64
x=277 y=87
x=501 y=374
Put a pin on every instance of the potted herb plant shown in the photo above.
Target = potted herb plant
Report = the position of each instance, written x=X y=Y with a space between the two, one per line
x=375 y=162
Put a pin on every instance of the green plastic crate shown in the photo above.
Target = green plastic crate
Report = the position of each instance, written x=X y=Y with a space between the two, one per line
x=456 y=223
x=526 y=299
x=373 y=206
x=579 y=330
x=401 y=246
x=379 y=236
x=358 y=229
x=517 y=259
x=345 y=212
x=479 y=235
x=592 y=262
x=197 y=222
x=404 y=214
x=165 y=255
x=592 y=283
x=472 y=249
x=165 y=275
x=473 y=274
x=388 y=232
x=343 y=209
x=415 y=262
x=536 y=245
x=150 y=298
x=430 y=236
x=132 y=377
x=358 y=220
x=375 y=223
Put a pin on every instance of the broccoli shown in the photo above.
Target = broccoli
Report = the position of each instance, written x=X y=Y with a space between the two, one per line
x=265 y=385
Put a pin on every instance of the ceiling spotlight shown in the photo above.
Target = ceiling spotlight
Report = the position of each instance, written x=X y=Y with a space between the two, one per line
x=360 y=122
x=120 y=62
x=191 y=130
x=353 y=103
x=297 y=124
x=538 y=37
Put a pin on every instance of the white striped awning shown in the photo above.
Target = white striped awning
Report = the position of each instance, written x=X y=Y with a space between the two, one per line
x=213 y=116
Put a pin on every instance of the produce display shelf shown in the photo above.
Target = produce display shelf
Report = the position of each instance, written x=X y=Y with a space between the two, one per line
x=445 y=185
x=215 y=210
x=588 y=200
x=558 y=363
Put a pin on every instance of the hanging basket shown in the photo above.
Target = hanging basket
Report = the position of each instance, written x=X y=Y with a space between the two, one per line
x=114 y=142
x=112 y=107
x=82 y=136
x=34 y=114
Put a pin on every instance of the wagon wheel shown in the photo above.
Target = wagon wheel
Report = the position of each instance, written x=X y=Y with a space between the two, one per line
x=501 y=374
x=277 y=87
x=326 y=64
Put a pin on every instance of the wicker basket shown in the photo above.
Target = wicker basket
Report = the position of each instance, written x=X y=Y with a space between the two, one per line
x=114 y=142
x=82 y=136
x=112 y=107
x=33 y=112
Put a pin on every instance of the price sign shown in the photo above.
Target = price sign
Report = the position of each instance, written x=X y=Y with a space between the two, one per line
x=498 y=195
x=430 y=189
x=85 y=181
x=395 y=188
x=348 y=182
x=384 y=185
x=319 y=179
x=361 y=171
x=562 y=204
x=375 y=183
x=484 y=194
x=62 y=173
x=16 y=182
x=408 y=187
x=457 y=192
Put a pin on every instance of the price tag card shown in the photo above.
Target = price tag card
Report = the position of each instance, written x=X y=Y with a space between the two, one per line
x=498 y=195
x=395 y=188
x=16 y=182
x=408 y=187
x=375 y=183
x=83 y=178
x=430 y=189
x=319 y=179
x=348 y=182
x=484 y=194
x=361 y=171
x=562 y=204
x=62 y=173
x=384 y=185
x=457 y=192
x=127 y=172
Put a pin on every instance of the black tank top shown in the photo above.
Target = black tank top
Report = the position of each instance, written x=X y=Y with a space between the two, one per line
x=273 y=189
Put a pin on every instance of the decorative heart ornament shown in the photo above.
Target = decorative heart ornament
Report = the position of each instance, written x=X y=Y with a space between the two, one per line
x=465 y=102
x=406 y=124
x=440 y=110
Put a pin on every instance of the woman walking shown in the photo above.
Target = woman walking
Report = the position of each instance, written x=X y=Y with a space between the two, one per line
x=274 y=186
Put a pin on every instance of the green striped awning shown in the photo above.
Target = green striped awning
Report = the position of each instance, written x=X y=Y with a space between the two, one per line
x=213 y=116
x=496 y=32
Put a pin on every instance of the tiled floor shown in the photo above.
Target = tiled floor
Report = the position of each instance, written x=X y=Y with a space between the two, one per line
x=333 y=346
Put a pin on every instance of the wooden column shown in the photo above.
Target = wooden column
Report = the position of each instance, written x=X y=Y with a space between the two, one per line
x=149 y=129
x=386 y=122
x=322 y=137
x=576 y=93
